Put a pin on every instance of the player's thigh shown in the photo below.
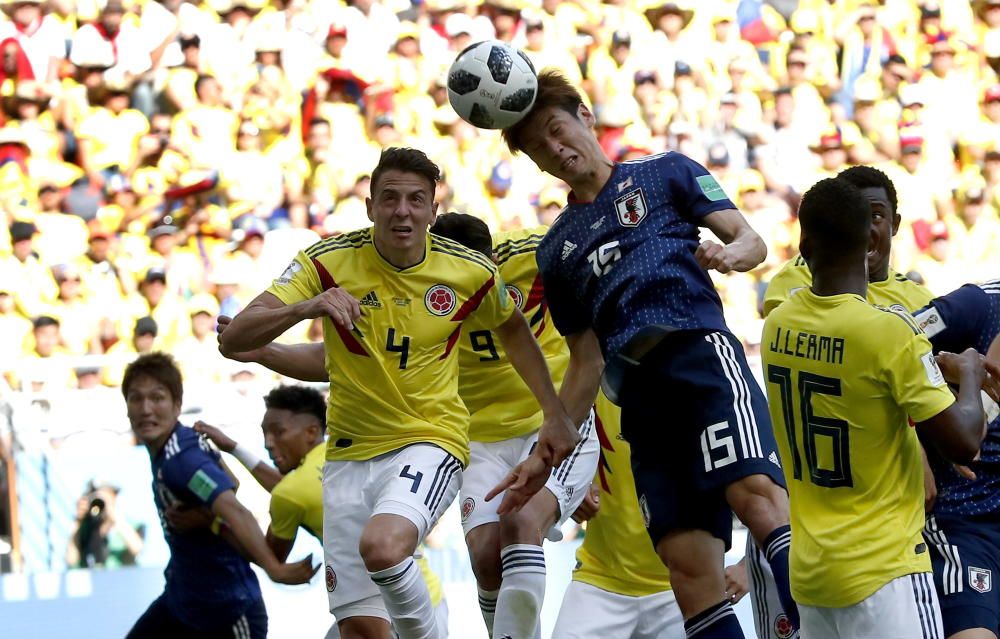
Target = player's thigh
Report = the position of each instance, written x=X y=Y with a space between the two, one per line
x=588 y=612
x=769 y=617
x=570 y=481
x=905 y=608
x=659 y=617
x=965 y=555
x=417 y=483
x=347 y=507
x=489 y=464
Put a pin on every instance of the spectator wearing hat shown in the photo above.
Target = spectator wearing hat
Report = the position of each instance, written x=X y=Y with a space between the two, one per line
x=865 y=129
x=102 y=277
x=79 y=318
x=142 y=337
x=670 y=40
x=198 y=353
x=156 y=301
x=985 y=133
x=39 y=36
x=612 y=70
x=166 y=254
x=725 y=44
x=111 y=36
x=831 y=149
x=725 y=132
x=33 y=282
x=934 y=265
x=691 y=101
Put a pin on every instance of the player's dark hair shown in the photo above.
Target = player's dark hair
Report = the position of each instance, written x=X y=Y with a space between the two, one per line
x=407 y=160
x=467 y=230
x=159 y=367
x=868 y=177
x=554 y=90
x=837 y=218
x=298 y=400
x=44 y=320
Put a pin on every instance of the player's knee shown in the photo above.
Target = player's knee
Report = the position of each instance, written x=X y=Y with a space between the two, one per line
x=522 y=527
x=484 y=553
x=386 y=541
x=760 y=503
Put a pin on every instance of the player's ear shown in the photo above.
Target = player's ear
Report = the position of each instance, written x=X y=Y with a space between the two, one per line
x=586 y=115
x=434 y=213
x=368 y=208
x=805 y=247
x=896 y=220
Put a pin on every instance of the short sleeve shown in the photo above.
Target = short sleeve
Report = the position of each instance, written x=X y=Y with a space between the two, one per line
x=917 y=384
x=496 y=305
x=299 y=281
x=286 y=515
x=198 y=474
x=952 y=321
x=568 y=315
x=693 y=188
x=790 y=279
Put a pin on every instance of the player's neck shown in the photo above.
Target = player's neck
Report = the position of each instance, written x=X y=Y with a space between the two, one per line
x=840 y=280
x=400 y=258
x=590 y=183
x=879 y=275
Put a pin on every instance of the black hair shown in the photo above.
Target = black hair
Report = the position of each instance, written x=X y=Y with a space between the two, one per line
x=836 y=217
x=44 y=320
x=554 y=90
x=160 y=367
x=467 y=230
x=298 y=400
x=409 y=161
x=868 y=177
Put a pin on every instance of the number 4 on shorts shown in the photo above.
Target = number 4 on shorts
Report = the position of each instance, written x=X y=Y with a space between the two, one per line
x=415 y=478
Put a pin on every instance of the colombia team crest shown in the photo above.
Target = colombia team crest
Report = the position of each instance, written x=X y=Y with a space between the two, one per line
x=331 y=579
x=467 y=507
x=516 y=295
x=631 y=208
x=440 y=300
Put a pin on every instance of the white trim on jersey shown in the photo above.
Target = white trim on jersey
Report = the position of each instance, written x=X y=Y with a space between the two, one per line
x=991 y=287
x=952 y=577
x=746 y=422
x=647 y=158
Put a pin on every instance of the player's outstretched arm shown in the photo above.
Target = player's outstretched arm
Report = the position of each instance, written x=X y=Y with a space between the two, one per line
x=267 y=476
x=744 y=249
x=304 y=362
x=267 y=317
x=958 y=430
x=558 y=435
x=244 y=528
x=583 y=374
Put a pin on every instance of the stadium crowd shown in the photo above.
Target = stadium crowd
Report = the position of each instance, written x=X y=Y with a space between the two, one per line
x=153 y=155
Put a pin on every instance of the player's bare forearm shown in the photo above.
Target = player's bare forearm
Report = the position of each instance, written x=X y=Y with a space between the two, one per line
x=280 y=547
x=266 y=475
x=304 y=362
x=744 y=249
x=583 y=375
x=263 y=320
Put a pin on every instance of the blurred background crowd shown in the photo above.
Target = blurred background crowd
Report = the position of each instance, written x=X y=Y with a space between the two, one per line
x=161 y=160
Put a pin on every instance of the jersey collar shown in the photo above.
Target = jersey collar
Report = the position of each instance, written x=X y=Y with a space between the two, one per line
x=385 y=265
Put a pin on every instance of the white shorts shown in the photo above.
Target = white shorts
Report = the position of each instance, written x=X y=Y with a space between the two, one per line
x=490 y=463
x=588 y=612
x=440 y=618
x=905 y=608
x=769 y=617
x=418 y=482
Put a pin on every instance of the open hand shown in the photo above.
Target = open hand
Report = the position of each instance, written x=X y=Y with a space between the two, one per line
x=299 y=572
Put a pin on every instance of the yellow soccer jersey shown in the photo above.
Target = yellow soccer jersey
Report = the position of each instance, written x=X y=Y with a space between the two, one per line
x=501 y=404
x=297 y=500
x=394 y=378
x=617 y=554
x=896 y=291
x=842 y=377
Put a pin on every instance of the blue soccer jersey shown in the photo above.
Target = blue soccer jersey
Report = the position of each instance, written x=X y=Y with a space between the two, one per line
x=626 y=260
x=208 y=583
x=967 y=318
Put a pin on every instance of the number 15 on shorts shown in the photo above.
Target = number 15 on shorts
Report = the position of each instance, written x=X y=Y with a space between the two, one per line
x=717 y=448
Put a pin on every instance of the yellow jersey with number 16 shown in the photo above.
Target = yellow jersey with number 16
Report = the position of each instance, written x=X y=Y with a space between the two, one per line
x=842 y=378
x=394 y=378
x=501 y=404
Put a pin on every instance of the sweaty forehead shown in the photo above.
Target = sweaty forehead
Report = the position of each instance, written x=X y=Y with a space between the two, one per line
x=403 y=182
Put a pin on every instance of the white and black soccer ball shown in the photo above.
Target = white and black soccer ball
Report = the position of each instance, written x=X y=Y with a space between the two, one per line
x=492 y=85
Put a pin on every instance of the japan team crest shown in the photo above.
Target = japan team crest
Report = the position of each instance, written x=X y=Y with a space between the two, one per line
x=516 y=295
x=467 y=507
x=980 y=579
x=440 y=300
x=331 y=579
x=631 y=208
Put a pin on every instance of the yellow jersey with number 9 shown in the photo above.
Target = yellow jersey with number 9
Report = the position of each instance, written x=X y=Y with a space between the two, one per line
x=394 y=377
x=842 y=378
x=501 y=404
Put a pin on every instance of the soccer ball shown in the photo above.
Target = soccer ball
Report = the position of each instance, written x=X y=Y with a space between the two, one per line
x=492 y=85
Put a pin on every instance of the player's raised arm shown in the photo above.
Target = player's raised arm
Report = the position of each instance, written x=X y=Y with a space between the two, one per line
x=744 y=249
x=958 y=430
x=267 y=317
x=267 y=476
x=304 y=362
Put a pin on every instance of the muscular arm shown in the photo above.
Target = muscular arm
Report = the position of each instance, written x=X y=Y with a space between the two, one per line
x=263 y=320
x=583 y=375
x=744 y=249
x=958 y=430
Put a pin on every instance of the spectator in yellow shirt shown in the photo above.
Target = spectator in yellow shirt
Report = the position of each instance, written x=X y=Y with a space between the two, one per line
x=62 y=237
x=45 y=366
x=166 y=308
x=78 y=317
x=109 y=135
x=198 y=353
x=14 y=328
x=31 y=280
x=142 y=341
x=206 y=132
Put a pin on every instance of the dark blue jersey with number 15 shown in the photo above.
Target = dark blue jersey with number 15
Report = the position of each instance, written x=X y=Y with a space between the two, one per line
x=626 y=260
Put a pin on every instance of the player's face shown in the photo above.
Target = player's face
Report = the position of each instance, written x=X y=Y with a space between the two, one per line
x=152 y=411
x=401 y=209
x=562 y=144
x=884 y=224
x=288 y=437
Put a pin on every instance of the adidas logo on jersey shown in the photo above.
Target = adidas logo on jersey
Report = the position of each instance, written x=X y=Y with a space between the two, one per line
x=568 y=248
x=371 y=299
x=773 y=458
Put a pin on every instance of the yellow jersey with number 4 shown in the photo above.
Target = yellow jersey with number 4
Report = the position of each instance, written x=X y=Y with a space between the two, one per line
x=896 y=291
x=617 y=554
x=394 y=378
x=501 y=404
x=842 y=378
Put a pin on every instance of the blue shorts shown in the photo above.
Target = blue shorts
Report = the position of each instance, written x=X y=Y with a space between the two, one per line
x=160 y=622
x=965 y=554
x=696 y=421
